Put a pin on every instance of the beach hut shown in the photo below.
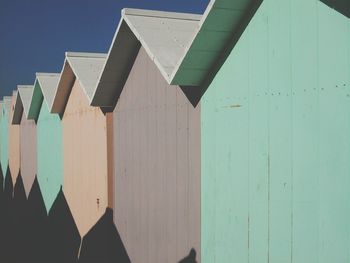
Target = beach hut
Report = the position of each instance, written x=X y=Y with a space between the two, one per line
x=14 y=142
x=28 y=153
x=86 y=139
x=1 y=104
x=6 y=107
x=49 y=137
x=156 y=134
x=273 y=130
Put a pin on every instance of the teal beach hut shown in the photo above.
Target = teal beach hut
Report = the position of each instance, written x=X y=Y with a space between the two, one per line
x=1 y=104
x=49 y=137
x=275 y=95
x=4 y=127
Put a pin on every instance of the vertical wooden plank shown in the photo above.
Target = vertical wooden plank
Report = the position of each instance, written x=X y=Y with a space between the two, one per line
x=160 y=95
x=258 y=228
x=334 y=148
x=347 y=87
x=182 y=166
x=110 y=159
x=171 y=170
x=194 y=178
x=152 y=232
x=280 y=136
x=305 y=118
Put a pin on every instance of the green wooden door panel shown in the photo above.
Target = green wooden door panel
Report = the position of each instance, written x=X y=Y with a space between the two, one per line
x=305 y=119
x=334 y=127
x=275 y=144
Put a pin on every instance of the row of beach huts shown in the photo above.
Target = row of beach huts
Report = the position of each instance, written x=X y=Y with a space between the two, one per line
x=215 y=138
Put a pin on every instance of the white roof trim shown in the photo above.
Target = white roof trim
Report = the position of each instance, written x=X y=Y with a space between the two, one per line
x=83 y=66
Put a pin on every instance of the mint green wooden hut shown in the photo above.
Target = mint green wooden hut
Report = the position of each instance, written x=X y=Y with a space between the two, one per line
x=275 y=122
x=49 y=137
x=4 y=127
x=1 y=104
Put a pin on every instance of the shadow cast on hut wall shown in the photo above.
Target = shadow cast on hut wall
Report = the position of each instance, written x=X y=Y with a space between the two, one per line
x=20 y=238
x=7 y=226
x=191 y=258
x=64 y=238
x=29 y=234
x=103 y=243
x=37 y=225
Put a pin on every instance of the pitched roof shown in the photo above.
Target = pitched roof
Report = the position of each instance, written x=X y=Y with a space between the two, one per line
x=188 y=52
x=222 y=23
x=1 y=104
x=44 y=90
x=7 y=100
x=163 y=35
x=22 y=104
x=86 y=67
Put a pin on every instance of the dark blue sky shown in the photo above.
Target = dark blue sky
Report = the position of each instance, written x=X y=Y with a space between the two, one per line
x=34 y=34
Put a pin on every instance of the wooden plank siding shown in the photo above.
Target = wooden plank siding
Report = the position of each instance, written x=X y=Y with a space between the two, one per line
x=14 y=143
x=50 y=158
x=4 y=137
x=275 y=145
x=28 y=152
x=157 y=167
x=85 y=159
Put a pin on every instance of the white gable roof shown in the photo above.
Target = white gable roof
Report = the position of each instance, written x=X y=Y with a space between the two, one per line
x=85 y=67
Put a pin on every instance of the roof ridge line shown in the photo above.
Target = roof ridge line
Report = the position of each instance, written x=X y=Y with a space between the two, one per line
x=161 y=14
x=85 y=54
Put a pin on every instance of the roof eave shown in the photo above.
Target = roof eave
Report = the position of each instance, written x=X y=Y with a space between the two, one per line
x=18 y=110
x=110 y=78
x=188 y=72
x=35 y=101
x=110 y=73
x=63 y=89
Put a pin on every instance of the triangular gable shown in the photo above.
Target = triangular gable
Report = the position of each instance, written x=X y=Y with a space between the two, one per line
x=45 y=86
x=163 y=35
x=48 y=83
x=1 y=105
x=86 y=67
x=7 y=102
x=22 y=103
x=26 y=93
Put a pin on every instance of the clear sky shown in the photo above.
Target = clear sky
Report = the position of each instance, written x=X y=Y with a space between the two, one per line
x=34 y=34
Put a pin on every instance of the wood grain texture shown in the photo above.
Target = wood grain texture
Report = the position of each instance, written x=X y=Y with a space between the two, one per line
x=14 y=143
x=28 y=152
x=50 y=154
x=4 y=126
x=157 y=167
x=275 y=170
x=85 y=159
